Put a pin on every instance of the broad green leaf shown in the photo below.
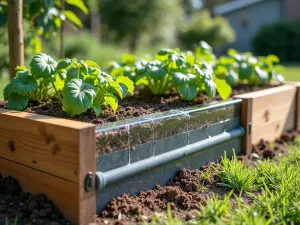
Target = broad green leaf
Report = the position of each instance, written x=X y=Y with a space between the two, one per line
x=210 y=87
x=126 y=84
x=73 y=73
x=24 y=84
x=59 y=82
x=63 y=64
x=232 y=52
x=164 y=51
x=181 y=78
x=72 y=17
x=42 y=66
x=190 y=59
x=8 y=90
x=97 y=108
x=103 y=78
x=157 y=73
x=79 y=4
x=205 y=71
x=261 y=74
x=89 y=80
x=78 y=97
x=208 y=72
x=17 y=102
x=231 y=77
x=84 y=68
x=91 y=64
x=179 y=60
x=223 y=88
x=112 y=101
x=187 y=91
x=245 y=71
x=115 y=86
x=128 y=59
x=273 y=58
x=220 y=71
x=21 y=68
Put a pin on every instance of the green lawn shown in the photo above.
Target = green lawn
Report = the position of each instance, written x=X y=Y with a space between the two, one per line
x=292 y=72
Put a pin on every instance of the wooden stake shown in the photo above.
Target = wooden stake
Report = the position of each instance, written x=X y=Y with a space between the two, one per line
x=15 y=35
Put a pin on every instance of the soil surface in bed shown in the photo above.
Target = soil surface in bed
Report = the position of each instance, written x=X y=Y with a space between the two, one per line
x=143 y=103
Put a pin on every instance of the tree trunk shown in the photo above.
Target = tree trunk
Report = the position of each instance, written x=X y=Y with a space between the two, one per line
x=15 y=35
x=62 y=28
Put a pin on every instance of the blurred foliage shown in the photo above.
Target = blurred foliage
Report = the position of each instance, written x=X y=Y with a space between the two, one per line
x=237 y=68
x=215 y=31
x=281 y=38
x=41 y=19
x=85 y=46
x=130 y=20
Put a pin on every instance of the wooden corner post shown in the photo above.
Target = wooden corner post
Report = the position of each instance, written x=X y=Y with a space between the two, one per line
x=246 y=121
x=51 y=156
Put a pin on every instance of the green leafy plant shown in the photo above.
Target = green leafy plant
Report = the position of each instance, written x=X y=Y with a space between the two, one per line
x=237 y=68
x=78 y=84
x=172 y=69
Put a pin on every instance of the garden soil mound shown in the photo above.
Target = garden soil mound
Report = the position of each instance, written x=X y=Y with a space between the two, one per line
x=27 y=208
x=142 y=103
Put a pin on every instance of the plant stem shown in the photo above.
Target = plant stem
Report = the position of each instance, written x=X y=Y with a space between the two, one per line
x=55 y=88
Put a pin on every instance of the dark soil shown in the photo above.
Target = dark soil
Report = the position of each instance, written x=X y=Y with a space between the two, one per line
x=28 y=208
x=186 y=192
x=133 y=106
x=267 y=150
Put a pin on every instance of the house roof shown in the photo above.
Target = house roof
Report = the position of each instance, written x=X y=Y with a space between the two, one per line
x=234 y=6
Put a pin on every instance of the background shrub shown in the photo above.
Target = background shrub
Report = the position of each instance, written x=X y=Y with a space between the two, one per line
x=215 y=31
x=281 y=38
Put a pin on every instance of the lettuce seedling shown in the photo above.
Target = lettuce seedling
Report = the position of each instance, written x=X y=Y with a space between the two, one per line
x=78 y=84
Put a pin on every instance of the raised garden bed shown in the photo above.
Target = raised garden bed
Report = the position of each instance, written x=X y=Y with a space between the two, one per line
x=79 y=165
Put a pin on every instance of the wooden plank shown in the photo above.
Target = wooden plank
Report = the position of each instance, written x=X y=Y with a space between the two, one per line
x=273 y=111
x=297 y=105
x=262 y=93
x=87 y=163
x=246 y=121
x=60 y=148
x=44 y=143
x=60 y=191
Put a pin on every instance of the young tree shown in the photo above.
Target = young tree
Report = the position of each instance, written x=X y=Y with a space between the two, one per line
x=15 y=35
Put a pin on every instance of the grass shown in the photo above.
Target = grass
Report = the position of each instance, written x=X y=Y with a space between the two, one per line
x=276 y=202
x=292 y=72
